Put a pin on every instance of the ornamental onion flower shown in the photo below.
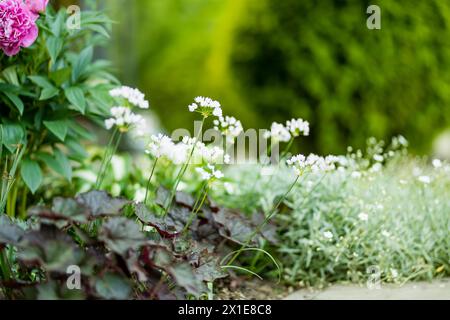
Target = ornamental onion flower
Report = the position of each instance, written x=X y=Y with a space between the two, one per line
x=124 y=119
x=278 y=132
x=298 y=127
x=206 y=107
x=230 y=127
x=209 y=173
x=313 y=163
x=133 y=96
x=17 y=26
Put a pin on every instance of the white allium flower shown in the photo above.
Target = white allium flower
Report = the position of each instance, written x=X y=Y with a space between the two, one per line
x=363 y=216
x=206 y=106
x=425 y=179
x=124 y=118
x=328 y=235
x=160 y=145
x=437 y=163
x=313 y=163
x=230 y=127
x=209 y=173
x=298 y=127
x=133 y=96
x=278 y=132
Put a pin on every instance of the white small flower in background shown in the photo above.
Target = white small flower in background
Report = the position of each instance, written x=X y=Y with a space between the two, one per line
x=385 y=233
x=206 y=106
x=124 y=119
x=230 y=127
x=209 y=173
x=363 y=216
x=298 y=127
x=133 y=96
x=278 y=132
x=394 y=273
x=377 y=167
x=356 y=174
x=378 y=157
x=437 y=163
x=229 y=188
x=139 y=195
x=424 y=179
x=328 y=235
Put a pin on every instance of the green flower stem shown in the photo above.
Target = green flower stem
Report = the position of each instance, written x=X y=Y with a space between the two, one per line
x=183 y=169
x=150 y=180
x=110 y=151
x=196 y=210
x=288 y=148
x=263 y=224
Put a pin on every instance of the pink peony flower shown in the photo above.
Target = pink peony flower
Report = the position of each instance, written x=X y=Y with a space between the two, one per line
x=37 y=6
x=17 y=26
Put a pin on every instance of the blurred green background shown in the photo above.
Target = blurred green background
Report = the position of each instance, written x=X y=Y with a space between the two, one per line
x=270 y=60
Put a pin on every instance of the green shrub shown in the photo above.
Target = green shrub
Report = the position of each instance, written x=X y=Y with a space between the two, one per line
x=45 y=91
x=269 y=60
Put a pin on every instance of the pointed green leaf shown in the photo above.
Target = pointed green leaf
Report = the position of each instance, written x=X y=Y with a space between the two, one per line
x=31 y=174
x=58 y=128
x=16 y=101
x=75 y=96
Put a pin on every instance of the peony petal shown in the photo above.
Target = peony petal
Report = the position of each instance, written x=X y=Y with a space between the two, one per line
x=31 y=37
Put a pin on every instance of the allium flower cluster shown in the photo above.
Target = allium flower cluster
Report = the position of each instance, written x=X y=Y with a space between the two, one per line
x=124 y=119
x=206 y=107
x=293 y=129
x=162 y=146
x=204 y=153
x=133 y=96
x=313 y=163
x=298 y=127
x=18 y=24
x=209 y=173
x=278 y=132
x=230 y=127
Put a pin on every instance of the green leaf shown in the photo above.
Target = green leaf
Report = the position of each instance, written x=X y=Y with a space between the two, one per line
x=112 y=286
x=31 y=174
x=64 y=163
x=54 y=47
x=13 y=134
x=58 y=128
x=42 y=82
x=57 y=162
x=48 y=93
x=10 y=75
x=75 y=96
x=82 y=62
x=16 y=101
x=60 y=76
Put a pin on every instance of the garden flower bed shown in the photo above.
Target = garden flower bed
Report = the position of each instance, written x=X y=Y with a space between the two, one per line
x=79 y=220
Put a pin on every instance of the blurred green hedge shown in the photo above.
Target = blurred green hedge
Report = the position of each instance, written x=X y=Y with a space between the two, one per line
x=269 y=60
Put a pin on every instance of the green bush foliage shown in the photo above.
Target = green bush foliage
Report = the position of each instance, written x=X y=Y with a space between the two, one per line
x=275 y=59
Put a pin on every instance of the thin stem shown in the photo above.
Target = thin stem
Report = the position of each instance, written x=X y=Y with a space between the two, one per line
x=108 y=157
x=263 y=224
x=150 y=180
x=195 y=211
x=105 y=156
x=288 y=148
x=183 y=170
